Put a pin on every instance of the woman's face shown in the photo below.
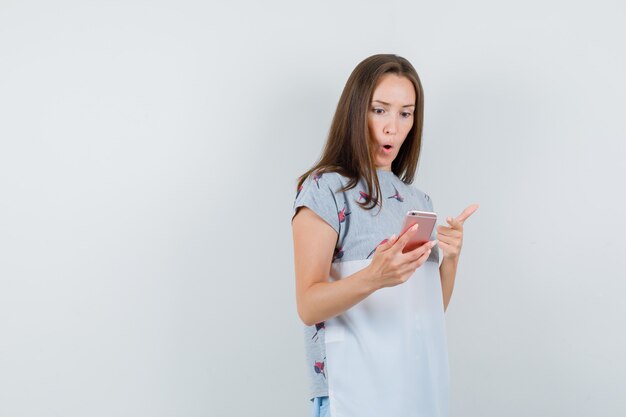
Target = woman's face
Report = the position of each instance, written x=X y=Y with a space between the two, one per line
x=390 y=117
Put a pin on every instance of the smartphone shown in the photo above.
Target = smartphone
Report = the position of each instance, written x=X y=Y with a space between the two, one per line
x=426 y=221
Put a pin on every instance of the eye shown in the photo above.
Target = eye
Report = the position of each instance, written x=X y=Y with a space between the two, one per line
x=406 y=114
x=376 y=110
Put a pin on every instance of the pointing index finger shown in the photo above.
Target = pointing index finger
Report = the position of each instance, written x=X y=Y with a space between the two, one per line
x=467 y=212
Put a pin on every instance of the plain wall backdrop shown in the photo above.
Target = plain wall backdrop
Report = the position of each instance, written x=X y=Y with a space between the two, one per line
x=148 y=158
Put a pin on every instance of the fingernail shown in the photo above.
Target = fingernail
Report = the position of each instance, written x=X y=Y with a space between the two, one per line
x=392 y=237
x=414 y=227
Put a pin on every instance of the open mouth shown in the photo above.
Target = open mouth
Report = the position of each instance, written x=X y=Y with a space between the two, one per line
x=387 y=146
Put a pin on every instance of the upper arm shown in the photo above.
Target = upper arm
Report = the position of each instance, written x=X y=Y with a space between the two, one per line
x=316 y=228
x=314 y=243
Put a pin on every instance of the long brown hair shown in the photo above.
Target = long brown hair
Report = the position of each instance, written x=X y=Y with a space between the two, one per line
x=348 y=147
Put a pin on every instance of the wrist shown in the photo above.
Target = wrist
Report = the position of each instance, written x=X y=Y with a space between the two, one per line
x=451 y=258
x=368 y=279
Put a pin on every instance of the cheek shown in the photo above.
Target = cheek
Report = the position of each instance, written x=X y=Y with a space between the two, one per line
x=407 y=127
x=371 y=125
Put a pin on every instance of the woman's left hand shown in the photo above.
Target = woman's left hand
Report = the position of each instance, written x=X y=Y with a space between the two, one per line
x=450 y=239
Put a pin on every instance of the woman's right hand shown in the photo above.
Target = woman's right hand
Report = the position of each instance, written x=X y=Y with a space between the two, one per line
x=391 y=267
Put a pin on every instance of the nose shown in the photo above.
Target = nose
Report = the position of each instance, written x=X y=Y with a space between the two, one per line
x=391 y=127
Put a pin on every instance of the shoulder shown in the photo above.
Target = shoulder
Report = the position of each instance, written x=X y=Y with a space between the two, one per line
x=331 y=180
x=318 y=193
x=319 y=188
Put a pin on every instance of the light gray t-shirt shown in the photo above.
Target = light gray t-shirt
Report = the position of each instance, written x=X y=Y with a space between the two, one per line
x=360 y=232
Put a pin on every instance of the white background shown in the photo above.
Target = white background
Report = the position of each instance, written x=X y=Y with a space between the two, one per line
x=148 y=158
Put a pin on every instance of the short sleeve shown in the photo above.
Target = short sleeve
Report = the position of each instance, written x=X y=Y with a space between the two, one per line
x=429 y=205
x=317 y=193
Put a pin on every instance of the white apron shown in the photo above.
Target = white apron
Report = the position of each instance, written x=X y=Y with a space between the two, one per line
x=387 y=356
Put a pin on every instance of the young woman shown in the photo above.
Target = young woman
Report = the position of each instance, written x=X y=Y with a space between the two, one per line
x=373 y=314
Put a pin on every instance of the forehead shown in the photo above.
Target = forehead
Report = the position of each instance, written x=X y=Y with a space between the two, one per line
x=393 y=88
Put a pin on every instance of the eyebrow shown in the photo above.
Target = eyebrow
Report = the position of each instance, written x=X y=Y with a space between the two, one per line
x=387 y=104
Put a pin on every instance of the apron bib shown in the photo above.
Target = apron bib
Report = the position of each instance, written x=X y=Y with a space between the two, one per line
x=387 y=355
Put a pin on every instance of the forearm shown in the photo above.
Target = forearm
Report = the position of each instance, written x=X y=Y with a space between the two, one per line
x=447 y=271
x=324 y=300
